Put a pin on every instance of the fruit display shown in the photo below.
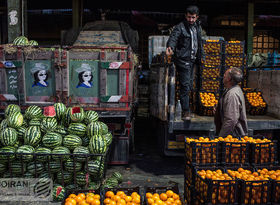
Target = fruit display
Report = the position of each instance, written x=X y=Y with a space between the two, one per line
x=45 y=141
x=23 y=41
x=234 y=47
x=211 y=60
x=207 y=101
x=255 y=103
x=215 y=186
x=212 y=47
x=210 y=85
x=122 y=196
x=83 y=198
x=234 y=61
x=163 y=197
x=210 y=72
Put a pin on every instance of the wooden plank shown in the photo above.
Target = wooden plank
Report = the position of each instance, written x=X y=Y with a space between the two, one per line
x=82 y=55
x=39 y=55
x=103 y=82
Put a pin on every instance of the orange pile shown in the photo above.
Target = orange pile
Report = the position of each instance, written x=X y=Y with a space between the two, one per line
x=208 y=99
x=255 y=99
x=234 y=48
x=273 y=174
x=82 y=199
x=247 y=175
x=253 y=140
x=166 y=198
x=120 y=198
x=200 y=139
x=214 y=175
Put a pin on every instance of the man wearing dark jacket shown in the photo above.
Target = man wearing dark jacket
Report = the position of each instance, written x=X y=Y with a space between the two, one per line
x=185 y=43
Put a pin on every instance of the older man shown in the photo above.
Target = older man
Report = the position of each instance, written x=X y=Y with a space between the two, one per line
x=230 y=115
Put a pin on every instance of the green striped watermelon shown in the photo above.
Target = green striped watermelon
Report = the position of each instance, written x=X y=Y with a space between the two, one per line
x=97 y=145
x=61 y=130
x=60 y=153
x=82 y=178
x=3 y=167
x=3 y=124
x=77 y=114
x=25 y=152
x=94 y=186
x=7 y=153
x=58 y=193
x=72 y=141
x=66 y=118
x=21 y=132
x=95 y=168
x=28 y=175
x=94 y=128
x=32 y=136
x=8 y=136
x=60 y=109
x=35 y=168
x=104 y=128
x=20 y=41
x=52 y=140
x=71 y=165
x=77 y=128
x=17 y=167
x=35 y=122
x=11 y=109
x=48 y=124
x=111 y=182
x=53 y=166
x=85 y=140
x=42 y=154
x=118 y=176
x=33 y=111
x=81 y=153
x=108 y=138
x=91 y=116
x=45 y=174
x=72 y=187
x=66 y=176
x=33 y=43
x=15 y=120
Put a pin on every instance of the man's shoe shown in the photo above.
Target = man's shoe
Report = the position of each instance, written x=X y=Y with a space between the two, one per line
x=186 y=116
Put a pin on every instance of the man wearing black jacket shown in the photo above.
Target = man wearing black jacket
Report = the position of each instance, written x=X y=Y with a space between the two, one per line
x=185 y=43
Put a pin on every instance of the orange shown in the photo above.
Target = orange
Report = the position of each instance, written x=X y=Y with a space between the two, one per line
x=159 y=202
x=136 y=200
x=128 y=198
x=72 y=196
x=134 y=194
x=69 y=203
x=82 y=195
x=178 y=202
x=89 y=199
x=116 y=198
x=96 y=202
x=121 y=201
x=120 y=193
x=175 y=196
x=107 y=201
x=149 y=195
x=109 y=194
x=150 y=201
x=96 y=196
x=112 y=202
x=72 y=201
x=79 y=199
x=89 y=194
x=163 y=196
x=83 y=203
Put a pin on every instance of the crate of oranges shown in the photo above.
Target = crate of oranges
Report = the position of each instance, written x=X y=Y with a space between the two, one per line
x=273 y=173
x=234 y=151
x=207 y=72
x=165 y=195
x=201 y=151
x=214 y=47
x=234 y=47
x=82 y=197
x=262 y=151
x=234 y=61
x=214 y=186
x=211 y=60
x=207 y=102
x=210 y=84
x=254 y=187
x=122 y=196
x=255 y=103
x=190 y=195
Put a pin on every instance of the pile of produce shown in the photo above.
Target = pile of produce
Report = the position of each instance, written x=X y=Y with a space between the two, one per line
x=167 y=197
x=57 y=142
x=23 y=41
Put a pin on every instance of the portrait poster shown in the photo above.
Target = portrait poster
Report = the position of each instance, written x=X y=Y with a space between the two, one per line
x=84 y=81
x=39 y=80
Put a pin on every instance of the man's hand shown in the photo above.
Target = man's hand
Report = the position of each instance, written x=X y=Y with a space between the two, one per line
x=169 y=51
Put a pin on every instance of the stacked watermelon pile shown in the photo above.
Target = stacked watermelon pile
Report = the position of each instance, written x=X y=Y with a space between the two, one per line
x=23 y=41
x=57 y=142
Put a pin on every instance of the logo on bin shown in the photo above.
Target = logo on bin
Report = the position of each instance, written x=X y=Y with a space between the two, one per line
x=8 y=64
x=26 y=189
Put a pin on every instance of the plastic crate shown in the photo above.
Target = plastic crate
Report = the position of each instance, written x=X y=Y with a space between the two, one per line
x=211 y=60
x=202 y=108
x=235 y=153
x=234 y=61
x=161 y=189
x=202 y=153
x=190 y=195
x=210 y=72
x=127 y=190
x=234 y=47
x=215 y=191
x=255 y=110
x=189 y=175
x=85 y=191
x=214 y=47
x=211 y=85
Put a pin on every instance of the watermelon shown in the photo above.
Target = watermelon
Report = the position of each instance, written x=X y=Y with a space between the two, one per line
x=60 y=109
x=81 y=153
x=66 y=119
x=95 y=168
x=94 y=128
x=35 y=122
x=3 y=124
x=49 y=111
x=72 y=187
x=25 y=152
x=97 y=145
x=93 y=186
x=42 y=154
x=32 y=136
x=3 y=167
x=7 y=153
x=33 y=43
x=71 y=165
x=21 y=41
x=8 y=136
x=60 y=153
x=11 y=108
x=21 y=132
x=45 y=174
x=108 y=138
x=58 y=193
x=77 y=128
x=52 y=140
x=91 y=116
x=33 y=111
x=35 y=168
x=48 y=124
x=53 y=166
x=65 y=177
x=28 y=175
x=77 y=114
x=85 y=140
x=118 y=176
x=104 y=128
x=111 y=182
x=72 y=141
x=61 y=130
x=15 y=120
x=17 y=167
x=82 y=178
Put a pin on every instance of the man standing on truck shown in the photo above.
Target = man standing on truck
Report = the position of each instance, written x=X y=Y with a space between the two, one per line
x=230 y=114
x=185 y=42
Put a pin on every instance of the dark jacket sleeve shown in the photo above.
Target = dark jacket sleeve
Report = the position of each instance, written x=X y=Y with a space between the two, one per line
x=173 y=38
